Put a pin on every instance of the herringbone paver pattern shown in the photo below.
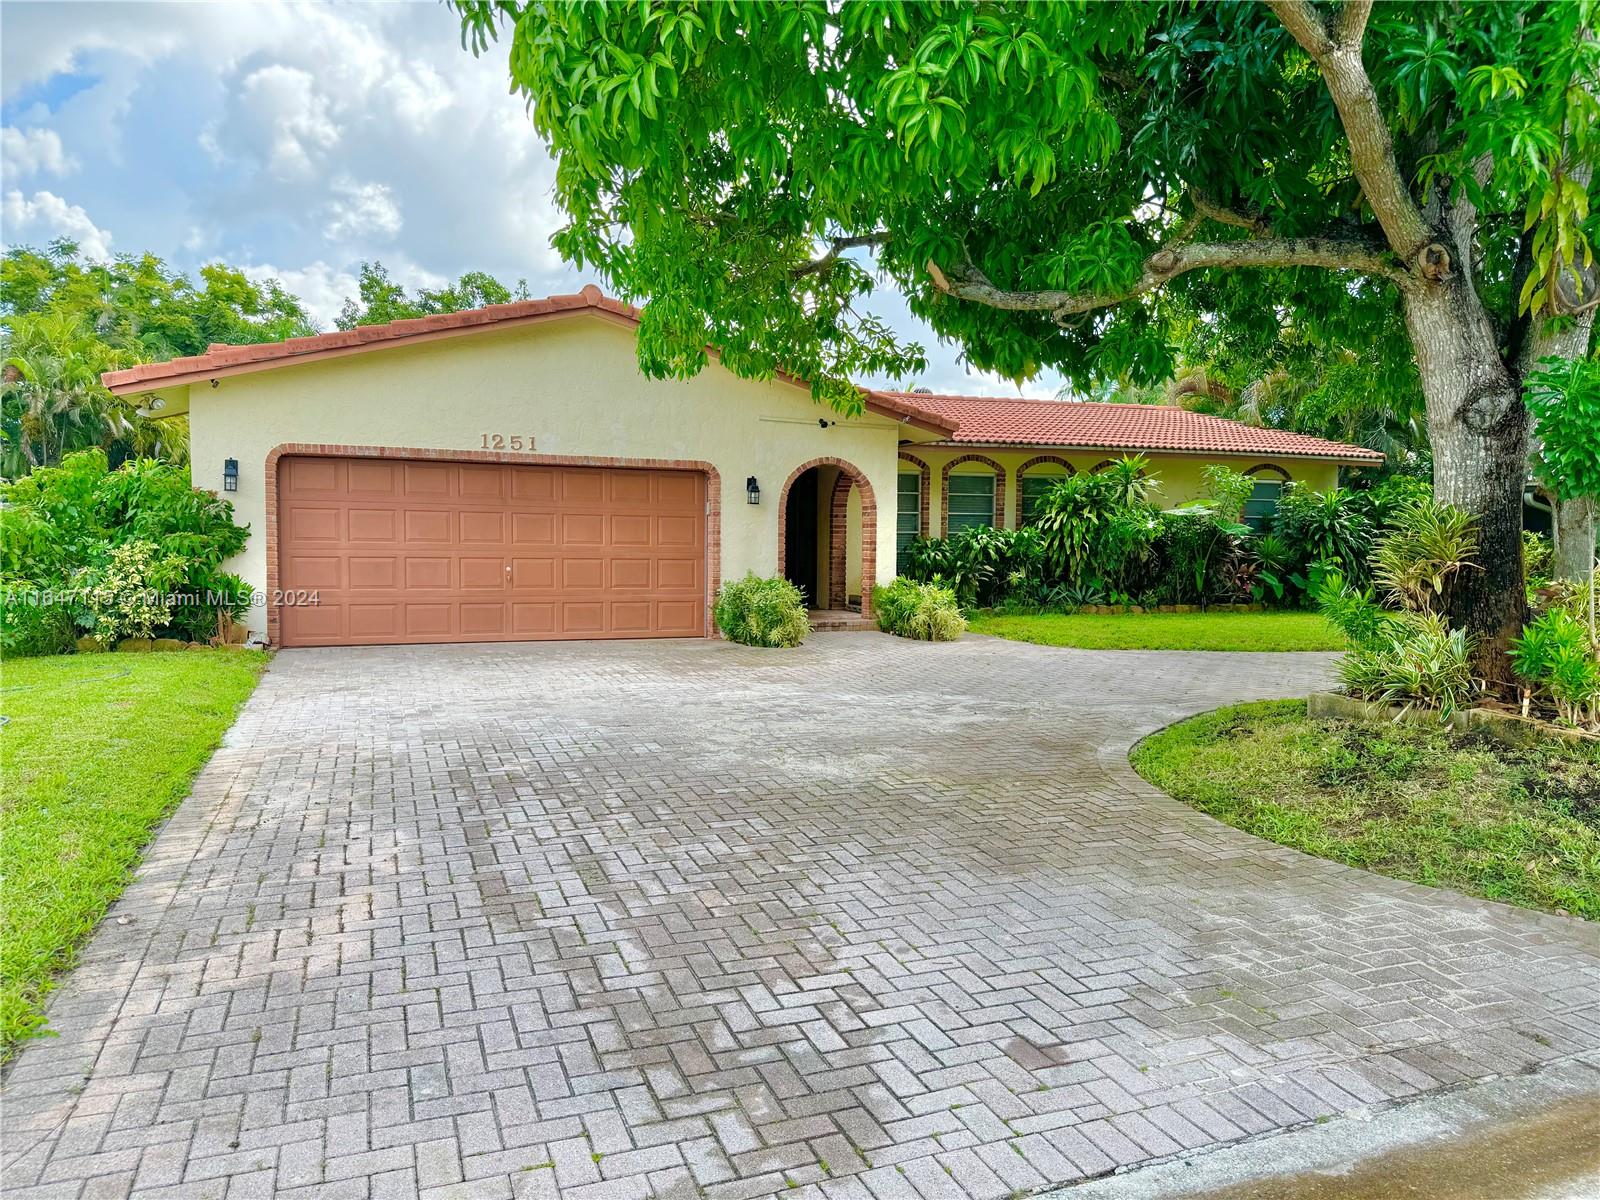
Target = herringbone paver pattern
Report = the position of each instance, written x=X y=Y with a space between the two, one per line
x=871 y=918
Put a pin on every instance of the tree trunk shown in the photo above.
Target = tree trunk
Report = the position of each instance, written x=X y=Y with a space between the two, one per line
x=1574 y=522
x=1477 y=424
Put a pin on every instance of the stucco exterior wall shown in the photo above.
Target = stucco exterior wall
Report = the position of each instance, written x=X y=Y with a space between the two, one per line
x=1177 y=476
x=573 y=387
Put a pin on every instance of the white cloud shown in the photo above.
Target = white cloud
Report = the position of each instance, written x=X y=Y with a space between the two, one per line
x=46 y=216
x=25 y=152
x=279 y=119
x=362 y=210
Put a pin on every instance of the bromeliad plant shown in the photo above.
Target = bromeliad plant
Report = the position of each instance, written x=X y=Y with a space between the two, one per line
x=1559 y=656
x=1404 y=651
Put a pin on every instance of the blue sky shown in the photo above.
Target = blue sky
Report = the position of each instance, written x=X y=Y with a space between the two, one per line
x=294 y=140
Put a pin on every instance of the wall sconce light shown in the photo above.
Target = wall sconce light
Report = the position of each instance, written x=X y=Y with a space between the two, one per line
x=230 y=475
x=752 y=490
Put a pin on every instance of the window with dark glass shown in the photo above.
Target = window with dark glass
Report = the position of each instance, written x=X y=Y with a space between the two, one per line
x=907 y=516
x=971 y=502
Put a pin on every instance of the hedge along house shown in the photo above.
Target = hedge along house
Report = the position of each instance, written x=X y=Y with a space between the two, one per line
x=507 y=474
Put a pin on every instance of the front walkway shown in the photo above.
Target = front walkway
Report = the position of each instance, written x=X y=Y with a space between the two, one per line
x=661 y=918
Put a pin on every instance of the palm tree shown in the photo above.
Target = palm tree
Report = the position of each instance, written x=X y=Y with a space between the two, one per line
x=51 y=398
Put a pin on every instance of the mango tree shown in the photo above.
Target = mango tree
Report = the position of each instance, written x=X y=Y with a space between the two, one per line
x=1043 y=181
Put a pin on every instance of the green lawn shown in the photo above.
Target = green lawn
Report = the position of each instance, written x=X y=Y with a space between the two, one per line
x=1165 y=631
x=1419 y=802
x=92 y=760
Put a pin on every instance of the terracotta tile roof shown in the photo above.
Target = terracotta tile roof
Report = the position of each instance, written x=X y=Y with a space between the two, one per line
x=986 y=421
x=221 y=359
x=964 y=420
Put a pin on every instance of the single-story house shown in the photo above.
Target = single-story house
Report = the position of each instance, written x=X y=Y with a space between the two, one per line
x=507 y=473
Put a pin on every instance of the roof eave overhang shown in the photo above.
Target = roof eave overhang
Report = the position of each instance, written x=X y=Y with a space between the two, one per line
x=1350 y=460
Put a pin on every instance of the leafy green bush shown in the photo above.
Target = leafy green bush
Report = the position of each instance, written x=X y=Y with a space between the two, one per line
x=762 y=612
x=1415 y=659
x=1410 y=656
x=61 y=528
x=924 y=611
x=1325 y=527
x=1427 y=547
x=981 y=565
x=1096 y=529
x=31 y=624
x=1558 y=656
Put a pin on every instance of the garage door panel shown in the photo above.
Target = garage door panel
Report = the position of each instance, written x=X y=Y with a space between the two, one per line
x=583 y=529
x=533 y=573
x=483 y=528
x=533 y=529
x=380 y=620
x=482 y=483
x=372 y=524
x=630 y=573
x=372 y=476
x=534 y=485
x=677 y=531
x=317 y=571
x=479 y=620
x=307 y=475
x=533 y=620
x=583 y=618
x=585 y=487
x=629 y=487
x=680 y=618
x=483 y=574
x=366 y=571
x=678 y=574
x=428 y=480
x=630 y=529
x=401 y=551
x=313 y=524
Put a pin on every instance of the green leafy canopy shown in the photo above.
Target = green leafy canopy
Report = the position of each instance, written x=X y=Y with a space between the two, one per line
x=729 y=162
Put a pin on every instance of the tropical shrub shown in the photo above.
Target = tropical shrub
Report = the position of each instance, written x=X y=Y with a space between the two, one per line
x=924 y=611
x=1325 y=527
x=762 y=612
x=1202 y=543
x=31 y=624
x=1559 y=657
x=130 y=596
x=1427 y=547
x=980 y=565
x=61 y=528
x=1410 y=656
x=1097 y=529
x=1415 y=659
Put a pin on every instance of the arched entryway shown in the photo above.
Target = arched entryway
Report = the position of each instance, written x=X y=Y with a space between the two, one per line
x=828 y=534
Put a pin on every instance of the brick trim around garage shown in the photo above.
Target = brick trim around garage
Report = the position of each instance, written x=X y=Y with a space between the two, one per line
x=999 y=490
x=836 y=544
x=327 y=450
x=1037 y=460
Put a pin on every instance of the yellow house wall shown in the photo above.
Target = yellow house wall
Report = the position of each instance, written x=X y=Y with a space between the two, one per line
x=572 y=385
x=1177 y=476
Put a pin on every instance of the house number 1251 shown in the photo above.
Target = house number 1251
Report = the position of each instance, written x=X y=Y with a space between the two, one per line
x=500 y=441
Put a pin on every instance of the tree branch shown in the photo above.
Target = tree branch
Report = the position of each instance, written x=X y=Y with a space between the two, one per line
x=837 y=247
x=1338 y=55
x=1227 y=216
x=969 y=283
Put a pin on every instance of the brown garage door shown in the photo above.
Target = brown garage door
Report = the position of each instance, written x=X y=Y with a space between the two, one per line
x=400 y=551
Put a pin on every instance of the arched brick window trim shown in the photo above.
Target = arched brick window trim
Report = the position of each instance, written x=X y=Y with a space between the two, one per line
x=839 y=508
x=944 y=489
x=923 y=488
x=1102 y=465
x=1271 y=469
x=1038 y=461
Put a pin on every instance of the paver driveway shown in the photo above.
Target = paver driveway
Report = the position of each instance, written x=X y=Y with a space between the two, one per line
x=621 y=919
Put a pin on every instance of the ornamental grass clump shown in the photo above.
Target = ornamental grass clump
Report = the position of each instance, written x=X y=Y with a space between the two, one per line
x=762 y=612
x=925 y=612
